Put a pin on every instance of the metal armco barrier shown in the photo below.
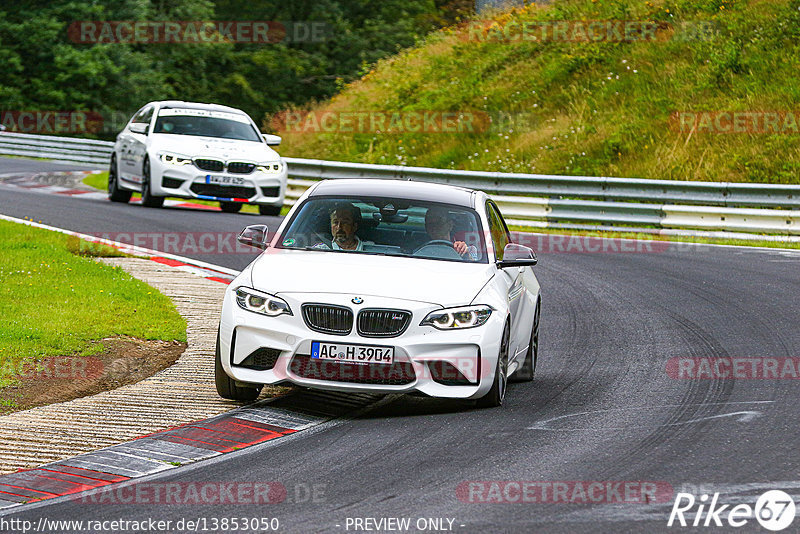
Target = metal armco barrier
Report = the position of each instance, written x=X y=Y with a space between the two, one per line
x=67 y=149
x=534 y=200
x=583 y=187
x=599 y=200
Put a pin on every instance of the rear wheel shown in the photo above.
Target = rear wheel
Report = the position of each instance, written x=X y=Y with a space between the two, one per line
x=115 y=194
x=148 y=199
x=270 y=210
x=496 y=395
x=230 y=207
x=226 y=386
x=525 y=373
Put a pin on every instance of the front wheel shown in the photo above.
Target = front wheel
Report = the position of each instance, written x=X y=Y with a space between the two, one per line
x=273 y=211
x=226 y=386
x=115 y=194
x=496 y=395
x=148 y=200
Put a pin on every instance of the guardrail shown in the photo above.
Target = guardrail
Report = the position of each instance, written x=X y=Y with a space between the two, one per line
x=541 y=200
x=534 y=200
x=584 y=187
x=67 y=149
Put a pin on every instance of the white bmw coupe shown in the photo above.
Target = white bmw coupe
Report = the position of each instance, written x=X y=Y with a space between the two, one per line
x=193 y=150
x=383 y=286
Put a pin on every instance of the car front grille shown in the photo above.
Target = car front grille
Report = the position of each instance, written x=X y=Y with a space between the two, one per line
x=224 y=191
x=382 y=323
x=396 y=374
x=209 y=164
x=240 y=167
x=328 y=319
x=261 y=359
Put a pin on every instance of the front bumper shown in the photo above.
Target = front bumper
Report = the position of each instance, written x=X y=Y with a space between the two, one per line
x=187 y=181
x=450 y=364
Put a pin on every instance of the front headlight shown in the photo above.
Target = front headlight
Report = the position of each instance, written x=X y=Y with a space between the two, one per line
x=271 y=168
x=263 y=303
x=175 y=159
x=463 y=317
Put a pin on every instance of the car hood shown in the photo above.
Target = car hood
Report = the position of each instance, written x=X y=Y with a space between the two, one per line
x=213 y=147
x=445 y=283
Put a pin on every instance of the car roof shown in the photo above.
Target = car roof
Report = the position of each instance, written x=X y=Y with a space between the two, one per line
x=180 y=104
x=378 y=187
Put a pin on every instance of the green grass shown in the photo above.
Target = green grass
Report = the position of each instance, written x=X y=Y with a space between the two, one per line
x=594 y=109
x=100 y=181
x=56 y=301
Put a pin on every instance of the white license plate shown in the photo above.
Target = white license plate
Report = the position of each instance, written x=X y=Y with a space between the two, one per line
x=345 y=352
x=224 y=180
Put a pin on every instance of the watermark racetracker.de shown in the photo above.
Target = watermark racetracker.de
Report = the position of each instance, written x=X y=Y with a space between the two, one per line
x=515 y=31
x=736 y=122
x=198 y=31
x=50 y=122
x=206 y=493
x=564 y=492
x=734 y=368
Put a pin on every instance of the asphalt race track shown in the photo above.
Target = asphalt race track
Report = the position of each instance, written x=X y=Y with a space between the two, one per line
x=606 y=405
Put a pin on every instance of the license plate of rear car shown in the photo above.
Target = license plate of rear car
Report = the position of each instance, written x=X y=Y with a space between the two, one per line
x=346 y=352
x=224 y=180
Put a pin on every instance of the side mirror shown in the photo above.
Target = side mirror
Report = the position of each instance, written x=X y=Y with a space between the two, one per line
x=517 y=256
x=139 y=127
x=272 y=140
x=254 y=236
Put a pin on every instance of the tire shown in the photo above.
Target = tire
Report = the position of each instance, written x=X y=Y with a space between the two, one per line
x=115 y=194
x=495 y=396
x=230 y=207
x=273 y=211
x=526 y=372
x=148 y=200
x=226 y=386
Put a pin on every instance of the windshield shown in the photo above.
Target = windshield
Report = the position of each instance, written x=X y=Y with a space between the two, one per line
x=387 y=226
x=206 y=124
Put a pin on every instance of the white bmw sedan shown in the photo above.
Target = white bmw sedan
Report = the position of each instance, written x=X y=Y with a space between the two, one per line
x=383 y=286
x=193 y=150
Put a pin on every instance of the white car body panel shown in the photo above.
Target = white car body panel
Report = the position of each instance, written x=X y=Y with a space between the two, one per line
x=437 y=282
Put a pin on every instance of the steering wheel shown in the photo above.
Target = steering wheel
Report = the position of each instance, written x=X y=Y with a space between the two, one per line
x=436 y=247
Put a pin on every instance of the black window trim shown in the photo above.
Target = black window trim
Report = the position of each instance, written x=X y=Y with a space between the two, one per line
x=491 y=206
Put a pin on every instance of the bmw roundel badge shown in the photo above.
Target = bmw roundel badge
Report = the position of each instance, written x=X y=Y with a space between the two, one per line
x=357 y=300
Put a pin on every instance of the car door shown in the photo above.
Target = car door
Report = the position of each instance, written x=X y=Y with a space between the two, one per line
x=512 y=277
x=139 y=143
x=133 y=146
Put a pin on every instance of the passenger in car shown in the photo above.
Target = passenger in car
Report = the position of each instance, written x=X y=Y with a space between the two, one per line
x=344 y=219
x=439 y=227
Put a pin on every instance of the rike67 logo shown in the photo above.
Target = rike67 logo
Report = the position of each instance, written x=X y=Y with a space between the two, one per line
x=774 y=510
